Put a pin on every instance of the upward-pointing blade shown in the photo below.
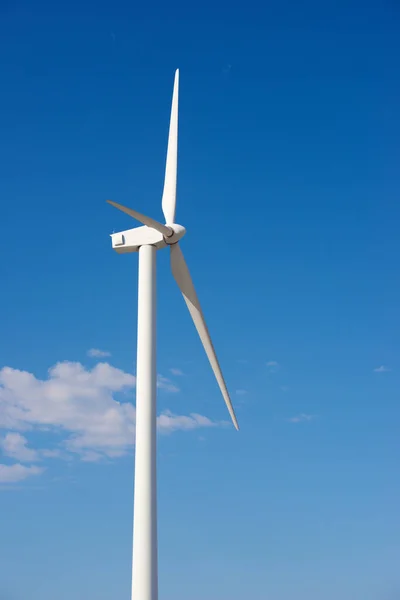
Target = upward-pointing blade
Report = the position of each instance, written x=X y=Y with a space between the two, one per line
x=168 y=202
x=182 y=277
x=166 y=231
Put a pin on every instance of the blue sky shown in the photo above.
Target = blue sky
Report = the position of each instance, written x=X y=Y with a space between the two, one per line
x=288 y=188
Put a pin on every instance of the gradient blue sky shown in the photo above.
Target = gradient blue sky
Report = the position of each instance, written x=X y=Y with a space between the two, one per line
x=288 y=187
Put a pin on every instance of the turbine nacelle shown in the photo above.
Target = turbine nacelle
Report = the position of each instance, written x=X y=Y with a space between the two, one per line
x=130 y=240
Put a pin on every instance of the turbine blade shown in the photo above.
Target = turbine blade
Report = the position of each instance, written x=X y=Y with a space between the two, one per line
x=168 y=202
x=182 y=277
x=166 y=231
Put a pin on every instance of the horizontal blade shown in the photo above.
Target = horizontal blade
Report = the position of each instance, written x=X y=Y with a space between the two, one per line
x=168 y=202
x=182 y=277
x=167 y=231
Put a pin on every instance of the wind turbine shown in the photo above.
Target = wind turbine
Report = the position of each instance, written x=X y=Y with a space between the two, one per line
x=146 y=240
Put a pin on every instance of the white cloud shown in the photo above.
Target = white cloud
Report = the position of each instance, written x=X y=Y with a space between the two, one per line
x=166 y=384
x=17 y=472
x=301 y=418
x=273 y=366
x=14 y=445
x=79 y=405
x=168 y=422
x=96 y=353
x=52 y=454
x=74 y=401
x=91 y=456
x=382 y=369
x=176 y=372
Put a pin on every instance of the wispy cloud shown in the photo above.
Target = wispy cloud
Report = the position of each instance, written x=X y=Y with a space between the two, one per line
x=301 y=418
x=273 y=366
x=91 y=456
x=241 y=392
x=46 y=453
x=79 y=406
x=17 y=472
x=168 y=422
x=176 y=372
x=15 y=445
x=166 y=384
x=382 y=369
x=97 y=353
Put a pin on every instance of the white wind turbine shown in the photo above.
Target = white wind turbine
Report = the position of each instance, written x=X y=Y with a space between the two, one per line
x=147 y=240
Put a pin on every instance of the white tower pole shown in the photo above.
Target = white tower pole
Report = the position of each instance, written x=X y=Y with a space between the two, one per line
x=144 y=566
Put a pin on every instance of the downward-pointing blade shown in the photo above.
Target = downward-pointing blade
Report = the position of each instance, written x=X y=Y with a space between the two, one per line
x=169 y=194
x=166 y=231
x=182 y=277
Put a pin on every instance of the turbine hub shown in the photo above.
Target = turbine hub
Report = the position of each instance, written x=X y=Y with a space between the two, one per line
x=178 y=231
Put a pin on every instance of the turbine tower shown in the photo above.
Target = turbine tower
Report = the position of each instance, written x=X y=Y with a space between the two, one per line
x=146 y=240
